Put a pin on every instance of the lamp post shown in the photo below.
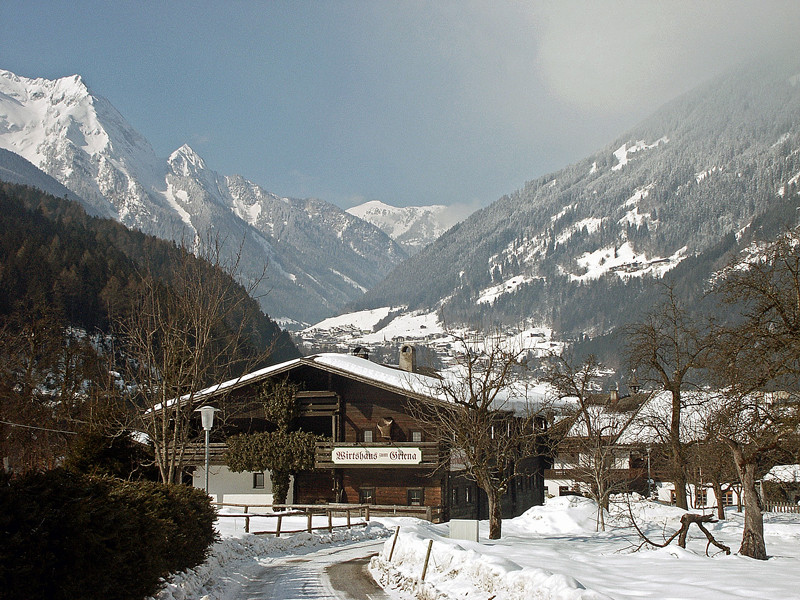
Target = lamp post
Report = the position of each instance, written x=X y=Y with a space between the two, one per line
x=207 y=418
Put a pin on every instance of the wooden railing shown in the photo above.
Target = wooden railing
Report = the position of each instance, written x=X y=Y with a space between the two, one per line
x=582 y=474
x=279 y=511
x=196 y=454
x=433 y=514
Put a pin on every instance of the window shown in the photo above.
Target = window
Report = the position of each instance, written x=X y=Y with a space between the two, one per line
x=701 y=498
x=468 y=495
x=416 y=436
x=415 y=497
x=368 y=435
x=727 y=498
x=454 y=495
x=258 y=481
x=366 y=495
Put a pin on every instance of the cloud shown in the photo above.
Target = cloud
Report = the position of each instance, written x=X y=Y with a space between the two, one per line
x=612 y=57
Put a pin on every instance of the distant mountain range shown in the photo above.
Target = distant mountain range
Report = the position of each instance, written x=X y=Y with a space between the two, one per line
x=413 y=227
x=319 y=257
x=578 y=250
x=581 y=248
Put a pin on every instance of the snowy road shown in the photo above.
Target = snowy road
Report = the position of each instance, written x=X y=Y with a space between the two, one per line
x=334 y=572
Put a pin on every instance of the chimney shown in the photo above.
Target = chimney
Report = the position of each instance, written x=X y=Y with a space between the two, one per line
x=408 y=358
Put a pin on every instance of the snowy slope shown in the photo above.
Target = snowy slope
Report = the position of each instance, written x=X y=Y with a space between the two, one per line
x=318 y=256
x=582 y=249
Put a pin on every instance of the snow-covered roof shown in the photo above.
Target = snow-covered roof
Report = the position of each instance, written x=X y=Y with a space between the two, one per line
x=396 y=380
x=393 y=379
x=784 y=473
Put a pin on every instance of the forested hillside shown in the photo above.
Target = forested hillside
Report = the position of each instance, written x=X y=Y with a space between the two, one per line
x=580 y=249
x=75 y=292
x=56 y=259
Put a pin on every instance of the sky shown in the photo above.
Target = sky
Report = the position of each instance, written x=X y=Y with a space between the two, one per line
x=406 y=102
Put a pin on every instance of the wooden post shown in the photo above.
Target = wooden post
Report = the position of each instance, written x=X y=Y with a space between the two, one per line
x=348 y=518
x=366 y=512
x=429 y=514
x=427 y=557
x=394 y=541
x=309 y=520
x=247 y=524
x=330 y=521
x=278 y=530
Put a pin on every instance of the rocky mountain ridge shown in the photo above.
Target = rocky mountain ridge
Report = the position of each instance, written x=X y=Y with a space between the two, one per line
x=318 y=256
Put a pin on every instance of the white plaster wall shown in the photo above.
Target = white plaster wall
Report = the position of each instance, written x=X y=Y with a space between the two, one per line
x=665 y=488
x=236 y=488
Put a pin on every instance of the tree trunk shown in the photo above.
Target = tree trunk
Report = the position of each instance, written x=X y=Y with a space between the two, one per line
x=679 y=473
x=717 y=487
x=495 y=514
x=753 y=536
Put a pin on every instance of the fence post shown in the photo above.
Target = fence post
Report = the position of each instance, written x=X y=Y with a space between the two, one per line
x=247 y=524
x=348 y=518
x=309 y=520
x=330 y=521
x=366 y=512
x=278 y=530
x=429 y=514
x=427 y=557
x=396 y=533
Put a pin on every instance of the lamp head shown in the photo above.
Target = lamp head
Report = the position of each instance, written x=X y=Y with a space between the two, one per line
x=207 y=416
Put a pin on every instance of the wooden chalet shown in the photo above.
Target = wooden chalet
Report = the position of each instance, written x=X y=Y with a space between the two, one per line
x=613 y=415
x=374 y=450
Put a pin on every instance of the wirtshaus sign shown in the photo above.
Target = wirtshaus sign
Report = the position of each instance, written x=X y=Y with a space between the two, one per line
x=377 y=456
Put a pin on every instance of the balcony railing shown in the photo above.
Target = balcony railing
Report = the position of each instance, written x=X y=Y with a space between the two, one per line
x=195 y=455
x=584 y=474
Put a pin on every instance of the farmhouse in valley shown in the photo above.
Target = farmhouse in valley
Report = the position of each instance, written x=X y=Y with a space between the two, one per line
x=374 y=450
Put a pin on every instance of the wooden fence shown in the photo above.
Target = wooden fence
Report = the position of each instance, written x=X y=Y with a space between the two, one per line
x=782 y=507
x=279 y=511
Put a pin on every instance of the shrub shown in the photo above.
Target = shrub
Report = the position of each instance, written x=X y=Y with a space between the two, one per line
x=69 y=536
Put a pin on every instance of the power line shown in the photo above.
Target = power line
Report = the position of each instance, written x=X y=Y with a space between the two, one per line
x=39 y=428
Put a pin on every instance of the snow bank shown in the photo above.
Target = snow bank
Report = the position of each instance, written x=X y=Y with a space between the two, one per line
x=461 y=570
x=238 y=554
x=564 y=514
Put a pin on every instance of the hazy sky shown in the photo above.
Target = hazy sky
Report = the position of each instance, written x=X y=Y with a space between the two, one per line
x=451 y=102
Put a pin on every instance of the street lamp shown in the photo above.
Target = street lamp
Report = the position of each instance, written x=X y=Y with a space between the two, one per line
x=207 y=418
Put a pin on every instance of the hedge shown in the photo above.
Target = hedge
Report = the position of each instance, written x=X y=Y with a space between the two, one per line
x=67 y=536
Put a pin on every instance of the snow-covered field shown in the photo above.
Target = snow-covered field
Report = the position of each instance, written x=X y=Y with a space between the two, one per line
x=550 y=552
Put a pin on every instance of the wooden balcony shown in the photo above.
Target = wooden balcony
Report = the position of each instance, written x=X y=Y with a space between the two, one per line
x=429 y=455
x=582 y=474
x=196 y=454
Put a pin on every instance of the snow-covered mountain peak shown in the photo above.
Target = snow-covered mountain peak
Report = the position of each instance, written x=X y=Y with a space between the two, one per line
x=412 y=226
x=186 y=162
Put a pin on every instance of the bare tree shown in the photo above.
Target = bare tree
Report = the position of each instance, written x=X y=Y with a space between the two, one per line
x=47 y=382
x=756 y=363
x=669 y=348
x=182 y=335
x=591 y=434
x=485 y=419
